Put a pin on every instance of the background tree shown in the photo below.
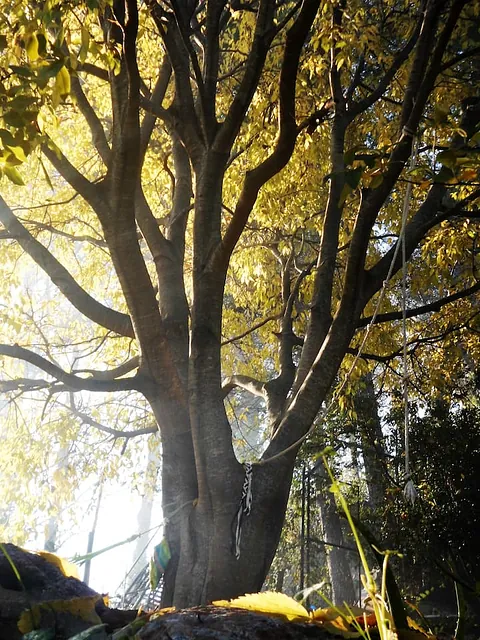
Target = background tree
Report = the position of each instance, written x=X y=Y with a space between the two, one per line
x=180 y=211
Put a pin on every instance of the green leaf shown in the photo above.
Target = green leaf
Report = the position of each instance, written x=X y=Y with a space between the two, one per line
x=13 y=174
x=42 y=44
x=21 y=102
x=7 y=138
x=18 y=152
x=349 y=156
x=346 y=191
x=447 y=158
x=476 y=138
x=444 y=175
x=14 y=119
x=31 y=47
x=62 y=82
x=47 y=72
x=3 y=42
x=353 y=177
x=440 y=114
x=421 y=172
x=85 y=42
x=21 y=71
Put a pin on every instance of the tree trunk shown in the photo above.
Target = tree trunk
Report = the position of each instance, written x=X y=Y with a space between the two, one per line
x=371 y=436
x=177 y=325
x=338 y=555
x=203 y=570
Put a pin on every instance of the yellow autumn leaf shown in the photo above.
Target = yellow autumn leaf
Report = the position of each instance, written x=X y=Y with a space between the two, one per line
x=330 y=613
x=162 y=612
x=13 y=174
x=18 y=152
x=338 y=626
x=67 y=568
x=83 y=608
x=468 y=174
x=414 y=632
x=269 y=602
x=62 y=82
x=85 y=36
x=31 y=47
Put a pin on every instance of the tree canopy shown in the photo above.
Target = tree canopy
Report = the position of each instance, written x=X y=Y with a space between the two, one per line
x=202 y=198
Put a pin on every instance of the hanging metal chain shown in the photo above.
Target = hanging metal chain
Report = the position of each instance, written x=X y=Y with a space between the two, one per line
x=243 y=508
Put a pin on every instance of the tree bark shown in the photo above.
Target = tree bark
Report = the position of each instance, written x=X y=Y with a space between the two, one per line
x=179 y=335
x=371 y=438
x=338 y=556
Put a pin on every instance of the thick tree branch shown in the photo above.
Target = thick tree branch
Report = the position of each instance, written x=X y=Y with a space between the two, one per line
x=305 y=403
x=90 y=192
x=211 y=66
x=255 y=387
x=115 y=433
x=99 y=137
x=418 y=311
x=188 y=125
x=100 y=314
x=278 y=388
x=122 y=189
x=430 y=11
x=28 y=384
x=460 y=57
x=111 y=374
x=320 y=316
x=288 y=339
x=93 y=70
x=183 y=15
x=263 y=36
x=149 y=228
x=158 y=94
x=288 y=132
x=70 y=380
x=43 y=226
x=427 y=215
x=360 y=106
x=417 y=94
x=374 y=357
x=321 y=374
x=157 y=111
x=422 y=76
x=335 y=76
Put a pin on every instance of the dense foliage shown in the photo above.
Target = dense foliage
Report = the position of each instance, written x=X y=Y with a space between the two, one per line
x=203 y=200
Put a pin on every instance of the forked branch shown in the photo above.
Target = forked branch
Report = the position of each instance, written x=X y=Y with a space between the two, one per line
x=70 y=380
x=115 y=321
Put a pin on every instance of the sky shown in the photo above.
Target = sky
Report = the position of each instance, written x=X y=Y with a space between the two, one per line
x=117 y=521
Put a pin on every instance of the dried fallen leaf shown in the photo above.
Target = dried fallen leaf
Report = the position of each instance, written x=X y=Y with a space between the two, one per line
x=268 y=602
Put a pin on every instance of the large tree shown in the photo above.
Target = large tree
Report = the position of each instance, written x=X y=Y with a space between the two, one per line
x=219 y=98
